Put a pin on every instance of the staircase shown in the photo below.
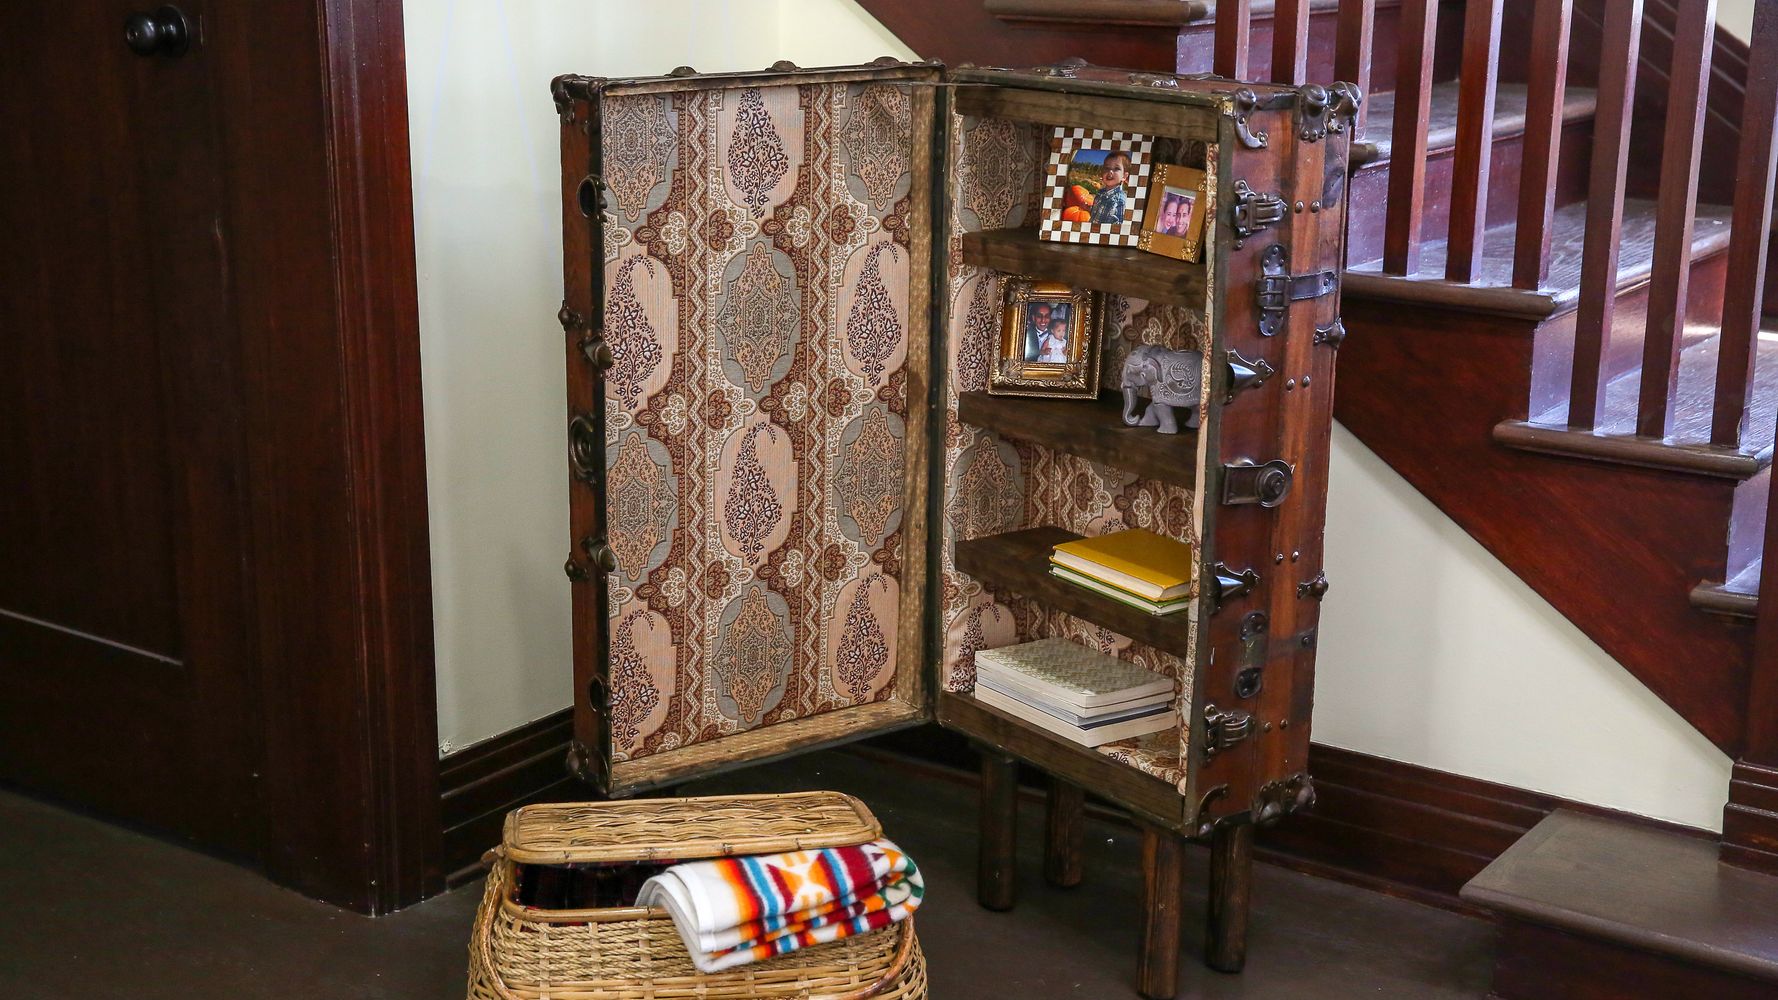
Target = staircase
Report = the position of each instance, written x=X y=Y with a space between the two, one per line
x=1573 y=359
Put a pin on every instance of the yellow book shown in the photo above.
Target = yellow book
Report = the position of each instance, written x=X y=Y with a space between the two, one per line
x=1137 y=560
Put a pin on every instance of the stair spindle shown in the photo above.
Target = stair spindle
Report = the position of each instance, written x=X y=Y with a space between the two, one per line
x=1352 y=49
x=1290 y=42
x=1475 y=138
x=1234 y=19
x=1620 y=43
x=1664 y=336
x=1407 y=160
x=1757 y=164
x=1543 y=141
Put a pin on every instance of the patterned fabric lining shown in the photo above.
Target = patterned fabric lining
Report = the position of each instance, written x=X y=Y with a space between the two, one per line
x=995 y=485
x=757 y=272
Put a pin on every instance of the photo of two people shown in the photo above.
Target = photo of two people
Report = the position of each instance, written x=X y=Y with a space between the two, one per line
x=1046 y=332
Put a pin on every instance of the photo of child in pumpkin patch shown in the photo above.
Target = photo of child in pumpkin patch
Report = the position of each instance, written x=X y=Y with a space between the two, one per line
x=1096 y=186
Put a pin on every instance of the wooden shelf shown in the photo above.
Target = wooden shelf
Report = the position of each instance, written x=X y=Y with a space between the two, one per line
x=1019 y=562
x=1152 y=798
x=1123 y=270
x=1093 y=430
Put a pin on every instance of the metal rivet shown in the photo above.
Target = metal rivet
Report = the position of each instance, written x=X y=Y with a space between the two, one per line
x=1305 y=380
x=1314 y=206
x=1278 y=558
x=1295 y=555
x=1266 y=728
x=1283 y=723
x=1289 y=384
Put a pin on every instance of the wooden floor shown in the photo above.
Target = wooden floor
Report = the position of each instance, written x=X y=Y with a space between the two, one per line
x=100 y=913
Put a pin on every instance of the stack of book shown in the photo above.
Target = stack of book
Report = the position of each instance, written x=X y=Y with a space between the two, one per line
x=1073 y=691
x=1136 y=567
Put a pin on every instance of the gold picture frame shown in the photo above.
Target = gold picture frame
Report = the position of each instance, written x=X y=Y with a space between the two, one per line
x=1050 y=341
x=1178 y=202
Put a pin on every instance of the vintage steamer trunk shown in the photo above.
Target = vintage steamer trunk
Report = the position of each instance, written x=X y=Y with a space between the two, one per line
x=796 y=513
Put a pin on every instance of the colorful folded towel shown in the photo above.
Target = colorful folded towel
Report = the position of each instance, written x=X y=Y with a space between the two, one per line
x=732 y=911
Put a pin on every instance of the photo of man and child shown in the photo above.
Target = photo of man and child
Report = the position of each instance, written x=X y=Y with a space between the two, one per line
x=1046 y=332
x=1176 y=212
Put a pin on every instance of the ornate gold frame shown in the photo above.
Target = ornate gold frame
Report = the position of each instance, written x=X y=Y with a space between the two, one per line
x=1173 y=175
x=1078 y=377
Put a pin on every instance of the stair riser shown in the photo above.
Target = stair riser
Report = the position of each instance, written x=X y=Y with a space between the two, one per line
x=1552 y=368
x=1747 y=523
x=1370 y=186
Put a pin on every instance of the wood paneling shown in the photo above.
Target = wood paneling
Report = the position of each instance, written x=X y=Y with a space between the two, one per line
x=479 y=785
x=323 y=274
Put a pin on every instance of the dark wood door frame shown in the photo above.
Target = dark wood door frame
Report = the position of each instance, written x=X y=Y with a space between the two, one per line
x=320 y=214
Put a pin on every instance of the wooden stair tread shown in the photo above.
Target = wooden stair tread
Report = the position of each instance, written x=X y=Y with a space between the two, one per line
x=1639 y=887
x=1493 y=292
x=1373 y=144
x=1687 y=449
x=1736 y=597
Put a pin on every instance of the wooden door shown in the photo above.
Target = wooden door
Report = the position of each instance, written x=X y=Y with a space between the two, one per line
x=123 y=609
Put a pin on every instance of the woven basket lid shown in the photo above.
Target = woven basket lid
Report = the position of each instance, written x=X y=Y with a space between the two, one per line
x=684 y=829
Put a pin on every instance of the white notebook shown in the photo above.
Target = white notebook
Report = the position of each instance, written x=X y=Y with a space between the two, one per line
x=1071 y=675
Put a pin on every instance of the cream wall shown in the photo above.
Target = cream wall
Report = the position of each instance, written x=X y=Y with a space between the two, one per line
x=488 y=238
x=1736 y=16
x=1432 y=652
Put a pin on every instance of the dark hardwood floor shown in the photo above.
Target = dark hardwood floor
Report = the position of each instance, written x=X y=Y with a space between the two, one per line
x=105 y=913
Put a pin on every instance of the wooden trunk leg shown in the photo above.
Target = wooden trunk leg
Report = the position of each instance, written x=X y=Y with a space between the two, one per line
x=1065 y=834
x=1157 y=968
x=997 y=861
x=1231 y=897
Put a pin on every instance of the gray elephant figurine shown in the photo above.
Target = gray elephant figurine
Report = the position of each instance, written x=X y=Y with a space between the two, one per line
x=1172 y=380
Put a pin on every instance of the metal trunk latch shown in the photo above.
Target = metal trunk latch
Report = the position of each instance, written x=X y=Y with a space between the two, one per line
x=1245 y=374
x=1278 y=288
x=1254 y=211
x=1248 y=482
x=1225 y=727
x=1230 y=584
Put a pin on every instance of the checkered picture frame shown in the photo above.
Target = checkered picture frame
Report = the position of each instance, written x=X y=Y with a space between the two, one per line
x=1064 y=143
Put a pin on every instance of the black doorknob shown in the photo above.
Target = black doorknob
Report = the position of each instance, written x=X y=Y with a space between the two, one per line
x=166 y=31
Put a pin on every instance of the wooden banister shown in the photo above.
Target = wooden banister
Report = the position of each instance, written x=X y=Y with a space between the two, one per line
x=1475 y=138
x=1407 y=161
x=1621 y=41
x=1748 y=241
x=1663 y=339
x=1290 y=42
x=1234 y=22
x=1352 y=48
x=1548 y=79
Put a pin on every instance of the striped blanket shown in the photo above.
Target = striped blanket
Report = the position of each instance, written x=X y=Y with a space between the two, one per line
x=732 y=911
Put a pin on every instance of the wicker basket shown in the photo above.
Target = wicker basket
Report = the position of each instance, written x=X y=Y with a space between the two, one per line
x=635 y=953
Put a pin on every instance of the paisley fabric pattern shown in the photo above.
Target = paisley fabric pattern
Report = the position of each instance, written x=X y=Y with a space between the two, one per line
x=639 y=145
x=995 y=485
x=757 y=291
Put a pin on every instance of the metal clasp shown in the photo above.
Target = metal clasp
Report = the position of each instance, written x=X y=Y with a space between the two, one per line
x=1225 y=727
x=1248 y=482
x=1278 y=288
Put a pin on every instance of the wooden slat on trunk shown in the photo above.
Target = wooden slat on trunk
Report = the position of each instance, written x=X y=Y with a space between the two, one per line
x=1475 y=138
x=1407 y=160
x=1693 y=38
x=1742 y=298
x=1621 y=40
